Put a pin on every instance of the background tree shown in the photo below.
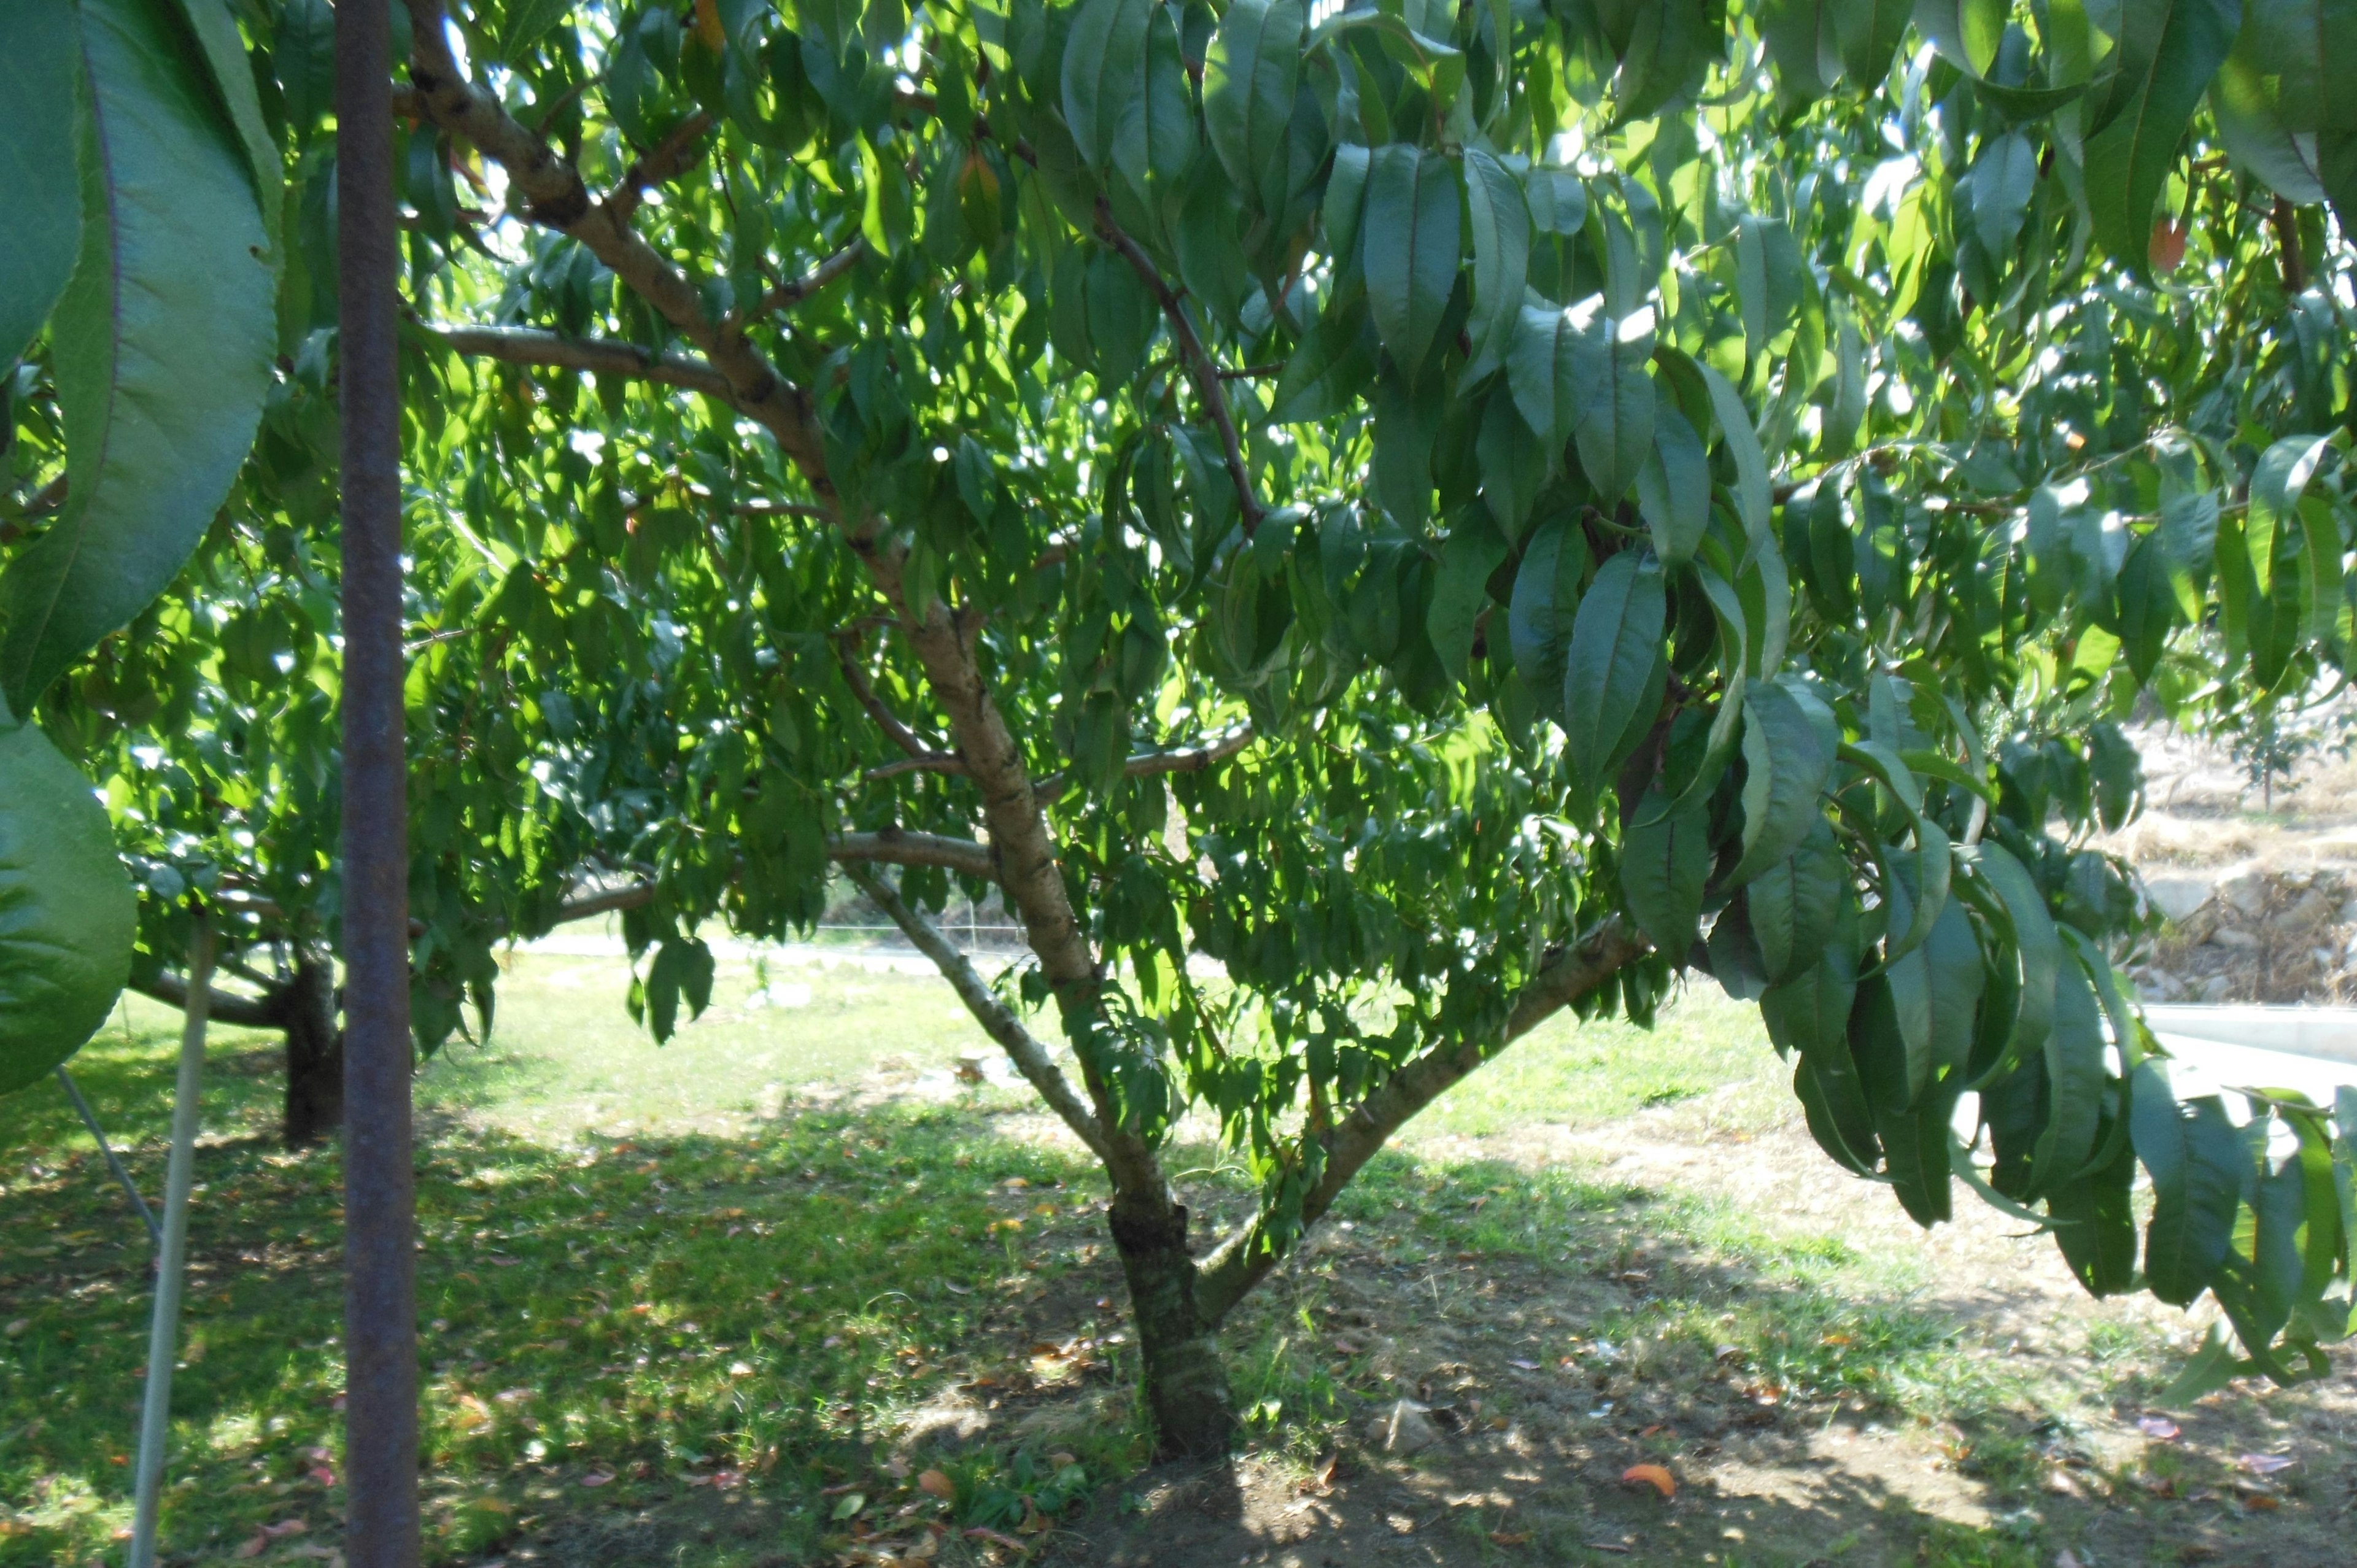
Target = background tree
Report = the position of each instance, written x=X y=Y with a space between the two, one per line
x=1451 y=514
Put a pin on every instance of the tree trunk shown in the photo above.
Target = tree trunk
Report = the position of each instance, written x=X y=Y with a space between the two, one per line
x=1185 y=1385
x=315 y=1053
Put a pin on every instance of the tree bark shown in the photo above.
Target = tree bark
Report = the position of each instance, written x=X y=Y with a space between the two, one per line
x=315 y=1053
x=1185 y=1382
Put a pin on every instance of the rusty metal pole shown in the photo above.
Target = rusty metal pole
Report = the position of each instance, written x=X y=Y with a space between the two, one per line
x=380 y=1181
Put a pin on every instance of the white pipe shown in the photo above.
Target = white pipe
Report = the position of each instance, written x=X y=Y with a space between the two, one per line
x=164 y=1329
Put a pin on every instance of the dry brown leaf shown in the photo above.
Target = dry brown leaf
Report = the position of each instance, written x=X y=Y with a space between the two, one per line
x=1509 y=1537
x=933 y=1483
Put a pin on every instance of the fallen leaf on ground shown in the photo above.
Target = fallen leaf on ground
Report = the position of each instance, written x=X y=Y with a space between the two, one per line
x=253 y=1547
x=286 y=1527
x=2264 y=1464
x=1653 y=1475
x=593 y=1478
x=2159 y=1428
x=933 y=1483
x=1509 y=1538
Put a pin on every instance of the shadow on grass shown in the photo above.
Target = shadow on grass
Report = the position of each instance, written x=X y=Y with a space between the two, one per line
x=825 y=1341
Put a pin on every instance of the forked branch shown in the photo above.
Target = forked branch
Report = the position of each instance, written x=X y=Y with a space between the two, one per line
x=1240 y=1261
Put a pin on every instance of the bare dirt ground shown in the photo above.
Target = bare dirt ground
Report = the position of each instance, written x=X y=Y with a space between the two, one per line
x=1533 y=1426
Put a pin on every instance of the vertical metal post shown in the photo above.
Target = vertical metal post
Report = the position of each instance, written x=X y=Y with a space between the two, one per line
x=379 y=1191
x=163 y=1326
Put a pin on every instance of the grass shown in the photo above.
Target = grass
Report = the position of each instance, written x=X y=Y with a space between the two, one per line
x=664 y=1319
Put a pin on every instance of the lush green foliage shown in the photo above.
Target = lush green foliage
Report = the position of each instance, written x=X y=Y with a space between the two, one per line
x=1633 y=467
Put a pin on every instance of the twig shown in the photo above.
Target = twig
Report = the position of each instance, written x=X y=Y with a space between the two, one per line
x=847 y=649
x=1200 y=366
x=665 y=160
x=788 y=295
x=1192 y=759
x=527 y=346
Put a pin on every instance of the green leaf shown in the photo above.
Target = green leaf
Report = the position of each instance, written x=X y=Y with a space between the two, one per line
x=2211 y=1368
x=1786 y=762
x=1327 y=372
x=2074 y=1082
x=1663 y=866
x=2276 y=486
x=1965 y=32
x=1868 y=32
x=1674 y=486
x=304 y=50
x=1413 y=237
x=67 y=913
x=233 y=82
x=1249 y=77
x=1346 y=199
x=37 y=71
x=2269 y=99
x=2168 y=50
x=1616 y=641
x=1754 y=497
x=161 y=344
x=1794 y=903
x=1543 y=371
x=2039 y=947
x=2094 y=1225
x=2195 y=1159
x=1501 y=252
x=1475 y=549
x=1104 y=74
x=1540 y=620
x=1616 y=402
x=2004 y=177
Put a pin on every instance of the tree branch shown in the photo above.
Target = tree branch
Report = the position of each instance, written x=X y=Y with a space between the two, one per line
x=1200 y=366
x=524 y=346
x=923 y=762
x=553 y=194
x=1248 y=1253
x=893 y=846
x=847 y=649
x=997 y=1020
x=665 y=160
x=786 y=295
x=1193 y=759
x=220 y=1006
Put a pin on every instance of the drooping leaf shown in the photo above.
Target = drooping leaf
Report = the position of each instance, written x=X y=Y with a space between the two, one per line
x=1249 y=77
x=38 y=64
x=1411 y=242
x=1786 y=762
x=1501 y=252
x=161 y=344
x=1615 y=401
x=1475 y=549
x=1616 y=640
x=1673 y=487
x=1663 y=865
x=2195 y=1160
x=67 y=914
x=2168 y=50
